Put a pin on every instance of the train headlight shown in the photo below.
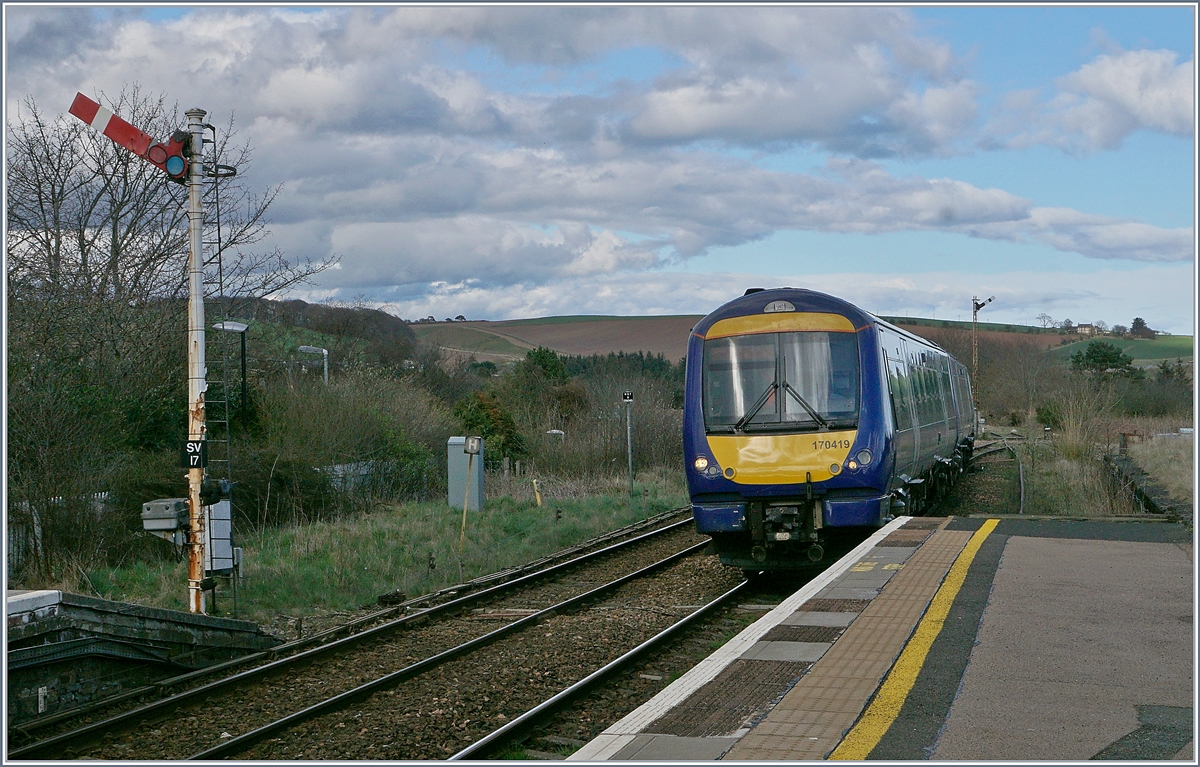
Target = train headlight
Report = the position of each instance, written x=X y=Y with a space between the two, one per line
x=852 y=465
x=701 y=463
x=835 y=469
x=864 y=457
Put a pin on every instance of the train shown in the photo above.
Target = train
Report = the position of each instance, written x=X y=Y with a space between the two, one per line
x=808 y=423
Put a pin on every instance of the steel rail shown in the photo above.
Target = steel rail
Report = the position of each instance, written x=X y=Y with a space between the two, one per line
x=1020 y=475
x=91 y=731
x=561 y=698
x=996 y=447
x=165 y=686
x=242 y=742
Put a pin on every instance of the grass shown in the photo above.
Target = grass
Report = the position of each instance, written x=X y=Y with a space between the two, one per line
x=1058 y=485
x=966 y=325
x=1142 y=350
x=1169 y=462
x=456 y=336
x=327 y=567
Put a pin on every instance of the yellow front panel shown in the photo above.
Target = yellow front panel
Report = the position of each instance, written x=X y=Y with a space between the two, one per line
x=780 y=322
x=768 y=459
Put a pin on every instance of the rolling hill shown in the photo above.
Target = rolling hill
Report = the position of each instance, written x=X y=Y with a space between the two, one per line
x=579 y=335
x=584 y=335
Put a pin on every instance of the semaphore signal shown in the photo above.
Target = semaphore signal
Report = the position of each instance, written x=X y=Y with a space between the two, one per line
x=170 y=156
x=180 y=158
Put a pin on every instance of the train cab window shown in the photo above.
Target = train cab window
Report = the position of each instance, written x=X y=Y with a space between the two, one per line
x=781 y=382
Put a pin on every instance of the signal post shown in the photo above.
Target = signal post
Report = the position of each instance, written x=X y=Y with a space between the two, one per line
x=181 y=158
x=196 y=368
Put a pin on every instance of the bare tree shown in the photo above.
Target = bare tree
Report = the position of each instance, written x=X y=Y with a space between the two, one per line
x=96 y=260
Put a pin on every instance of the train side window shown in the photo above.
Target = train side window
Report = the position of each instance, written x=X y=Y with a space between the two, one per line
x=901 y=395
x=931 y=407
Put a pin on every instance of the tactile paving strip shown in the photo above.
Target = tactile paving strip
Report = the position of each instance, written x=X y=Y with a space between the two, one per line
x=640 y=735
x=803 y=634
x=905 y=534
x=905 y=538
x=834 y=605
x=924 y=523
x=741 y=693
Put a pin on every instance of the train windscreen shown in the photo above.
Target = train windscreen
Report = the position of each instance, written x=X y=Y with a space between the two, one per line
x=797 y=381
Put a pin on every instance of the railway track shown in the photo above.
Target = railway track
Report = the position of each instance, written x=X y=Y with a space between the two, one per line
x=179 y=725
x=487 y=745
x=432 y=614
x=434 y=706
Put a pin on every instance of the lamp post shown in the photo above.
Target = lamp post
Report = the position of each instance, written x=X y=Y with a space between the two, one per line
x=324 y=358
x=240 y=328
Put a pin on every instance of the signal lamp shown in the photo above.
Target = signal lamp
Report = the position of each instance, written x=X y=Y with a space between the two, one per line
x=171 y=155
x=701 y=463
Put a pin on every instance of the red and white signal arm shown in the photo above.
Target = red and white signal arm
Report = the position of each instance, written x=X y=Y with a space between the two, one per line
x=170 y=156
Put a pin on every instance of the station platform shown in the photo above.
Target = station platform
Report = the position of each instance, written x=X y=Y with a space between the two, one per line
x=67 y=650
x=950 y=639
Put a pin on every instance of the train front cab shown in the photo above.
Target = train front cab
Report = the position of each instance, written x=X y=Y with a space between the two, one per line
x=786 y=432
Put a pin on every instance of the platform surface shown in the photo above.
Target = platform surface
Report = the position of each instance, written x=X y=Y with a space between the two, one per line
x=951 y=639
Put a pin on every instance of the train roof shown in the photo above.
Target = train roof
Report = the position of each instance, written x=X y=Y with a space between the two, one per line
x=753 y=302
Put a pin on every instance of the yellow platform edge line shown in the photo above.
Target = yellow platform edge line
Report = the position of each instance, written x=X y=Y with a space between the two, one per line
x=884 y=709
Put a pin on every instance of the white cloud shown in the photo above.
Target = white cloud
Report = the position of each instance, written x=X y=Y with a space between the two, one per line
x=1160 y=293
x=418 y=169
x=1104 y=101
x=477 y=250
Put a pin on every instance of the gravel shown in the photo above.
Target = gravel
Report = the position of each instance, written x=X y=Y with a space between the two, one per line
x=194 y=728
x=436 y=715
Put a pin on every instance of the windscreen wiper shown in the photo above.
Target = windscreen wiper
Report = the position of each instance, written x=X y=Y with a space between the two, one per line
x=762 y=400
x=816 y=417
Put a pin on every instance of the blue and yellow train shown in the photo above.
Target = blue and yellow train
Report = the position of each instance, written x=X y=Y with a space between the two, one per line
x=809 y=422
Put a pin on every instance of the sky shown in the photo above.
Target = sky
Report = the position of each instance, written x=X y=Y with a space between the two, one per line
x=502 y=162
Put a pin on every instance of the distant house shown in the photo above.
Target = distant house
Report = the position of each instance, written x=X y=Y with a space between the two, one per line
x=1085 y=329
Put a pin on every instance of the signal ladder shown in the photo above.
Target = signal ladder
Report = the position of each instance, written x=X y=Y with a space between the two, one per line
x=218 y=523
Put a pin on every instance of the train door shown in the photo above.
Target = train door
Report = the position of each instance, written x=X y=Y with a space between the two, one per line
x=949 y=430
x=923 y=435
x=903 y=404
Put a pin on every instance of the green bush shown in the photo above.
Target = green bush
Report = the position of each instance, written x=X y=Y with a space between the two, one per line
x=1050 y=415
x=482 y=414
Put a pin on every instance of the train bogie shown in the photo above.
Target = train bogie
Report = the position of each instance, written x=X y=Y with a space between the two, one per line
x=808 y=420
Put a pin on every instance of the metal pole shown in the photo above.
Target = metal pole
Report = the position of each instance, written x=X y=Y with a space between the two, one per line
x=243 y=403
x=974 y=350
x=196 y=368
x=976 y=305
x=629 y=442
x=462 y=534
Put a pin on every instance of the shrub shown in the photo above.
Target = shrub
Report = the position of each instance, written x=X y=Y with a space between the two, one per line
x=325 y=451
x=482 y=414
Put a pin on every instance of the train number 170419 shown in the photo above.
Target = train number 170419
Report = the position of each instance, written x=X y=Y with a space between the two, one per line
x=831 y=444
